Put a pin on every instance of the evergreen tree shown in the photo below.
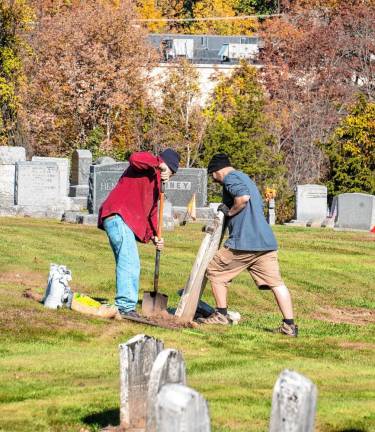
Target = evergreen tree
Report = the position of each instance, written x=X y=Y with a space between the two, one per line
x=237 y=127
x=351 y=151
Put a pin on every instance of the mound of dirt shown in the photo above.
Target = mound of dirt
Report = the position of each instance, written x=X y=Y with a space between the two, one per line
x=356 y=316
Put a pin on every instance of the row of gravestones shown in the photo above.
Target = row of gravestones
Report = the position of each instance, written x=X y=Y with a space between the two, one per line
x=154 y=396
x=54 y=187
x=348 y=210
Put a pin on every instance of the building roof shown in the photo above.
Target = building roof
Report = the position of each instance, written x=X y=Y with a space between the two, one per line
x=205 y=47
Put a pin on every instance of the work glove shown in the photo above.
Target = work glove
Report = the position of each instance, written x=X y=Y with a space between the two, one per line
x=223 y=208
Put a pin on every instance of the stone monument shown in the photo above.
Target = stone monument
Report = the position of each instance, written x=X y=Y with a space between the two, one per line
x=355 y=211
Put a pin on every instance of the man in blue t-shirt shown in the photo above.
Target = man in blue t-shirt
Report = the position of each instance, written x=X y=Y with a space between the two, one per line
x=251 y=245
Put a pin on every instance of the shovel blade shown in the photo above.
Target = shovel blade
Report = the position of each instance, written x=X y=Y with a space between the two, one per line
x=154 y=303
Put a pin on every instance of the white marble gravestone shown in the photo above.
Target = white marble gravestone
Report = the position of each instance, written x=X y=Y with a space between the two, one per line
x=293 y=403
x=137 y=357
x=169 y=368
x=181 y=409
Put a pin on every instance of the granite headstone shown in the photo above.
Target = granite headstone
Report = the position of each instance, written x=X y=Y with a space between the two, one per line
x=38 y=184
x=311 y=202
x=187 y=181
x=355 y=211
x=64 y=171
x=103 y=178
x=8 y=158
x=11 y=155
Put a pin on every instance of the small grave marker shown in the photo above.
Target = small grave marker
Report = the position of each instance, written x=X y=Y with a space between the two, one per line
x=181 y=409
x=293 y=403
x=169 y=368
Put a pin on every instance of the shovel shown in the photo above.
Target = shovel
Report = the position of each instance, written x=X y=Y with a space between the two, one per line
x=153 y=302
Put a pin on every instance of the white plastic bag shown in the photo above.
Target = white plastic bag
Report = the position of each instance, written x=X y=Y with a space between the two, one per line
x=58 y=291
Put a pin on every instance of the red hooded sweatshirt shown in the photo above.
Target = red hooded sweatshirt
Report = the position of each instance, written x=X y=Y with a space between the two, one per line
x=135 y=197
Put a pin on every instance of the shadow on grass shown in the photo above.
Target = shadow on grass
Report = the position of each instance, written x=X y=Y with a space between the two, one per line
x=104 y=418
x=352 y=430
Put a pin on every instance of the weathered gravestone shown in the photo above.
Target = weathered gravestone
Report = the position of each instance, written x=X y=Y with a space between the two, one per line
x=355 y=211
x=11 y=155
x=103 y=178
x=293 y=403
x=81 y=162
x=137 y=357
x=169 y=368
x=181 y=409
x=179 y=190
x=8 y=158
x=64 y=171
x=187 y=181
x=311 y=202
x=38 y=184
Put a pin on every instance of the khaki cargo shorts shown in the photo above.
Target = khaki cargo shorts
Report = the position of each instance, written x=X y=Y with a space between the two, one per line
x=262 y=266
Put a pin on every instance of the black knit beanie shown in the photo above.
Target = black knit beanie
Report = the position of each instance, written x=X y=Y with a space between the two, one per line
x=218 y=161
x=171 y=158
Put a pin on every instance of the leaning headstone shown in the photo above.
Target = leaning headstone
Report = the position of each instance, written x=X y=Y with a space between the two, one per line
x=169 y=368
x=103 y=178
x=8 y=158
x=311 y=202
x=355 y=211
x=137 y=357
x=64 y=170
x=181 y=409
x=293 y=403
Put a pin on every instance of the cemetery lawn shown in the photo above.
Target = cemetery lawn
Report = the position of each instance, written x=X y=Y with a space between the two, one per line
x=59 y=370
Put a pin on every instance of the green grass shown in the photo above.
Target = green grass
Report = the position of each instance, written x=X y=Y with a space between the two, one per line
x=59 y=370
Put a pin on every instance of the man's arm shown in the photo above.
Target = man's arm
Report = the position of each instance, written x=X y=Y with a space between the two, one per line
x=238 y=205
x=144 y=161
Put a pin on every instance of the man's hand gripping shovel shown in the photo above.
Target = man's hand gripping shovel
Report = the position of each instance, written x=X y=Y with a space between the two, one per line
x=154 y=302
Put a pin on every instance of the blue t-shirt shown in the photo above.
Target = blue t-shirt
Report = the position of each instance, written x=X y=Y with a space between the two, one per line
x=248 y=229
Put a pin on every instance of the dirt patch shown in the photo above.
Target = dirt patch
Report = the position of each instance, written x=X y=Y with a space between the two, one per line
x=163 y=320
x=24 y=279
x=357 y=345
x=356 y=316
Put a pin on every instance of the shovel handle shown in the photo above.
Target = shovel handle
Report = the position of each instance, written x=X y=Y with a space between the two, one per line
x=160 y=224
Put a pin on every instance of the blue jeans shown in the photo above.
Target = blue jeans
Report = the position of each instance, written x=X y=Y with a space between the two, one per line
x=124 y=246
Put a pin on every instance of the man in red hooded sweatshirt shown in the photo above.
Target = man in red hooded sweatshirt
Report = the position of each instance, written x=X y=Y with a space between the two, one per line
x=129 y=214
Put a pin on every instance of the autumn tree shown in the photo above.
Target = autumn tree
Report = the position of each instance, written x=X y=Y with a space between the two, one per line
x=15 y=21
x=180 y=122
x=88 y=72
x=148 y=9
x=221 y=9
x=351 y=151
x=316 y=59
